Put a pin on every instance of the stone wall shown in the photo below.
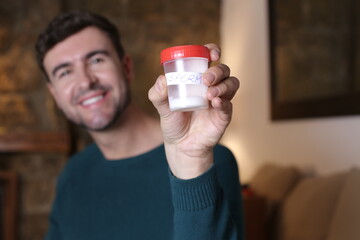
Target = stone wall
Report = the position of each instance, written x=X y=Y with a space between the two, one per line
x=26 y=106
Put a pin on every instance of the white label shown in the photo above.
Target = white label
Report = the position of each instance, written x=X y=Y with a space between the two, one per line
x=175 y=78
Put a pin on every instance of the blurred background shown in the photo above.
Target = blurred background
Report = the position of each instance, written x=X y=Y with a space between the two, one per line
x=36 y=140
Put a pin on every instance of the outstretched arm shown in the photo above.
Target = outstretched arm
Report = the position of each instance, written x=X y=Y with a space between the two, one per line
x=201 y=210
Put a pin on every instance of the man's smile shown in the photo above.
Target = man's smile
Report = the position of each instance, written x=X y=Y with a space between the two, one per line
x=87 y=100
x=92 y=100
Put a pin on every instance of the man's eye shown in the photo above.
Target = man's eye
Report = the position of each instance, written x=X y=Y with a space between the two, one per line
x=64 y=73
x=96 y=60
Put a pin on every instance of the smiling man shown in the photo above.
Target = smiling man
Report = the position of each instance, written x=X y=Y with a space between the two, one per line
x=141 y=179
x=89 y=81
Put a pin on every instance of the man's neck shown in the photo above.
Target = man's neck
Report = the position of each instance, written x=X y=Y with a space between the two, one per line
x=135 y=133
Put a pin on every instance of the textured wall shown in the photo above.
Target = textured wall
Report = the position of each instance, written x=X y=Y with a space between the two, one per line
x=25 y=105
x=20 y=22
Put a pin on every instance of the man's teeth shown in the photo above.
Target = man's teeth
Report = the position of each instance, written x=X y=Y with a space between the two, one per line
x=92 y=100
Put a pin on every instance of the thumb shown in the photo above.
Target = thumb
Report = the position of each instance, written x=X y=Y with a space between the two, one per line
x=158 y=95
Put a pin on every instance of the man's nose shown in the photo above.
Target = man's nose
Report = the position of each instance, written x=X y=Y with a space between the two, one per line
x=86 y=78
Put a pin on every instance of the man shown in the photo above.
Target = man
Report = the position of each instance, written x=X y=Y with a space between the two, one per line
x=141 y=179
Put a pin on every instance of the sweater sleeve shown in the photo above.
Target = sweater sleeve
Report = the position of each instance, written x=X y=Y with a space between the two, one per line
x=200 y=209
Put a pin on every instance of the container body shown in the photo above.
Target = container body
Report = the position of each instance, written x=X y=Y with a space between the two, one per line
x=186 y=89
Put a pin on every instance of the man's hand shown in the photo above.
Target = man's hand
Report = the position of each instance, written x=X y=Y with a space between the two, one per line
x=189 y=137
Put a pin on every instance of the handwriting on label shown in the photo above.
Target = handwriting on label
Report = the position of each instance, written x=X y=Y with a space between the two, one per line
x=175 y=78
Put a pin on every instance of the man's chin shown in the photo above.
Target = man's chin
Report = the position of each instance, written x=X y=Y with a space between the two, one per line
x=102 y=125
x=97 y=127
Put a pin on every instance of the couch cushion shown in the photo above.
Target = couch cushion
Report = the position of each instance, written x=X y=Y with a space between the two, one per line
x=307 y=212
x=273 y=181
x=346 y=220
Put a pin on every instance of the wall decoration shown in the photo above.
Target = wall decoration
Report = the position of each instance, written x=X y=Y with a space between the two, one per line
x=315 y=58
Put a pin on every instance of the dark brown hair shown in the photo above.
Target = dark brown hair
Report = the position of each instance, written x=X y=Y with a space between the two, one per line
x=69 y=23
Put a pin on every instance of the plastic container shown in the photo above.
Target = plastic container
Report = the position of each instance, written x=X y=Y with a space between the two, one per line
x=184 y=67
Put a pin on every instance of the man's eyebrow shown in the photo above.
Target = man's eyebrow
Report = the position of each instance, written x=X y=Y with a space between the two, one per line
x=93 y=53
x=58 y=67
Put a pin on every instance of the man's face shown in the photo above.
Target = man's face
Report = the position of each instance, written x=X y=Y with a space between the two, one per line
x=87 y=79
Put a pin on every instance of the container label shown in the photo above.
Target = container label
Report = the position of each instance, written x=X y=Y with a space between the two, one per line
x=175 y=78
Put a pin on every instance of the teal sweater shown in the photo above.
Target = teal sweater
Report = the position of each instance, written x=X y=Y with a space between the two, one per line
x=138 y=198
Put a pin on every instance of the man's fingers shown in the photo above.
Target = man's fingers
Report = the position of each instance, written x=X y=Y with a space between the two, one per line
x=223 y=109
x=226 y=89
x=215 y=51
x=216 y=74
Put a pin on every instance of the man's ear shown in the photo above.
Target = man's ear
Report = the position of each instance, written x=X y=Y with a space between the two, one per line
x=128 y=68
x=51 y=88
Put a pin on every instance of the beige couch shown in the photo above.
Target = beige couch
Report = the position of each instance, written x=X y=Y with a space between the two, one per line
x=285 y=204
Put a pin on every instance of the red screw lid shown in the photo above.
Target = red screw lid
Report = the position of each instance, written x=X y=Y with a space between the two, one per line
x=183 y=52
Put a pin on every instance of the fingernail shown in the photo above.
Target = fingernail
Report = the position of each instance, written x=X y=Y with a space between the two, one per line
x=215 y=54
x=213 y=92
x=208 y=78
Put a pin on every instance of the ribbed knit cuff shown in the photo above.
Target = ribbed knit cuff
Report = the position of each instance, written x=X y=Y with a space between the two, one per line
x=197 y=193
